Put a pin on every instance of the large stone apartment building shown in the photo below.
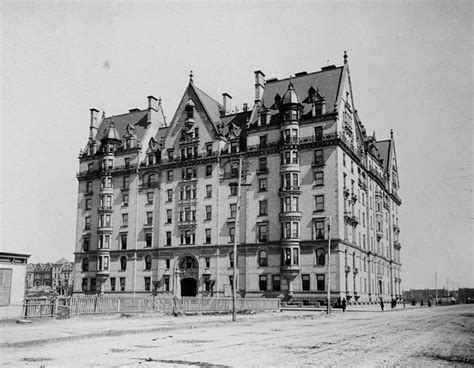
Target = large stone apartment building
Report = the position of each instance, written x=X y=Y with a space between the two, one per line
x=157 y=200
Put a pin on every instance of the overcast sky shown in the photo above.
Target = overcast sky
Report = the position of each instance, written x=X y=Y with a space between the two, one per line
x=411 y=71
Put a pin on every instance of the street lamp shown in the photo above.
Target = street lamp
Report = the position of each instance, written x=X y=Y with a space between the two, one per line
x=329 y=267
x=236 y=234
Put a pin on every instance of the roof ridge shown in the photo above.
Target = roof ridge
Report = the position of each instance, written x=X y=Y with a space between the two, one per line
x=302 y=76
x=126 y=113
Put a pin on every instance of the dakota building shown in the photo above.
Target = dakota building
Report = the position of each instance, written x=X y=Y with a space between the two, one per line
x=157 y=200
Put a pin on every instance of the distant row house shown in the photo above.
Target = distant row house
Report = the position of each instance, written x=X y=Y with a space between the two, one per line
x=56 y=275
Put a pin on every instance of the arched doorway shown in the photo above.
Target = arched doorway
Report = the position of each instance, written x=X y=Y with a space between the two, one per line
x=188 y=287
x=380 y=287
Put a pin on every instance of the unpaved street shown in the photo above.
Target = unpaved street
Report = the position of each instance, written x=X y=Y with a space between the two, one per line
x=442 y=336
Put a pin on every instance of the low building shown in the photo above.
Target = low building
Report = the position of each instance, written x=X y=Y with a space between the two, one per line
x=57 y=275
x=12 y=276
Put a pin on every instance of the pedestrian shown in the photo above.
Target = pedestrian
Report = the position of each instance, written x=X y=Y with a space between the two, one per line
x=403 y=303
x=344 y=305
x=429 y=303
x=421 y=303
x=381 y=304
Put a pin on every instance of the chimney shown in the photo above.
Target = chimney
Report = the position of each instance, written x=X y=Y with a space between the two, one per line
x=94 y=123
x=152 y=116
x=226 y=100
x=259 y=84
x=246 y=107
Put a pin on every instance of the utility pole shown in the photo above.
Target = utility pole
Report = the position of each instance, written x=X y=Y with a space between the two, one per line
x=329 y=267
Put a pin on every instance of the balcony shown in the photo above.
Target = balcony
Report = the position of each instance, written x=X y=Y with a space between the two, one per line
x=103 y=273
x=347 y=269
x=148 y=227
x=379 y=234
x=261 y=171
x=105 y=209
x=150 y=185
x=104 y=228
x=396 y=244
x=318 y=163
x=354 y=197
x=187 y=224
x=396 y=228
x=350 y=218
x=106 y=190
x=290 y=216
x=346 y=192
x=356 y=271
x=290 y=190
x=290 y=140
x=290 y=271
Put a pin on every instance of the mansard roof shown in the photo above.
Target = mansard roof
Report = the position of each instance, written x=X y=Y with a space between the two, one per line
x=326 y=81
x=136 y=118
x=239 y=120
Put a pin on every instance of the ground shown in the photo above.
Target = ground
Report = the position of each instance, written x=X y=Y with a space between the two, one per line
x=412 y=337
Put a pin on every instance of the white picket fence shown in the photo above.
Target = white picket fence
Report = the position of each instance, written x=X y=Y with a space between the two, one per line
x=96 y=305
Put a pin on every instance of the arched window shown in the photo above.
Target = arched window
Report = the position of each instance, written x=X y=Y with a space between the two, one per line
x=123 y=263
x=85 y=264
x=263 y=258
x=187 y=263
x=148 y=263
x=320 y=257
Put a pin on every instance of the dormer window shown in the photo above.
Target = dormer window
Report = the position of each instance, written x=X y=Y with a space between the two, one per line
x=151 y=159
x=318 y=109
x=190 y=113
x=128 y=143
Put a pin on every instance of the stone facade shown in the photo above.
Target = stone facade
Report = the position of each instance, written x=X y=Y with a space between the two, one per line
x=157 y=201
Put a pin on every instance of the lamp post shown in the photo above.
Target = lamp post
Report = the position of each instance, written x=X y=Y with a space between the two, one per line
x=329 y=267
x=236 y=234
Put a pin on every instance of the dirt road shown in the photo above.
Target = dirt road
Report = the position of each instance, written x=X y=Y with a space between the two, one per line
x=439 y=337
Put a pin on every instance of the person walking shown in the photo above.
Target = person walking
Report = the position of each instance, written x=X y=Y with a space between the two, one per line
x=344 y=305
x=381 y=304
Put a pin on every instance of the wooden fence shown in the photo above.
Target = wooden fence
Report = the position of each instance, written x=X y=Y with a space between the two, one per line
x=63 y=307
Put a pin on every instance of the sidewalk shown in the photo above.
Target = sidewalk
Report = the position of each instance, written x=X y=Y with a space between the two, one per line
x=50 y=330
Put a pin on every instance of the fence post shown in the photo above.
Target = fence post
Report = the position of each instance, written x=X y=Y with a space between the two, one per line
x=55 y=306
x=118 y=304
x=95 y=304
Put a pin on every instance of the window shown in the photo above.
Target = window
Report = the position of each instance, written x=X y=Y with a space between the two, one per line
x=208 y=213
x=123 y=241
x=149 y=218
x=147 y=262
x=320 y=282
x=233 y=210
x=318 y=157
x=262 y=185
x=344 y=159
x=231 y=234
x=188 y=237
x=320 y=257
x=104 y=220
x=319 y=203
x=84 y=284
x=262 y=164
x=169 y=216
x=85 y=265
x=86 y=242
x=149 y=198
x=125 y=199
x=262 y=233
x=123 y=263
x=263 y=258
x=87 y=224
x=305 y=282
x=208 y=191
x=263 y=208
x=126 y=182
x=209 y=149
x=169 y=195
x=168 y=238
x=276 y=282
x=122 y=284
x=127 y=160
x=208 y=170
x=170 y=153
x=263 y=141
x=148 y=240
x=124 y=219
x=231 y=282
x=208 y=236
x=208 y=262
x=262 y=282
x=319 y=229
x=112 y=284
x=231 y=259
x=93 y=283
x=169 y=175
x=233 y=189
x=318 y=178
x=88 y=204
x=89 y=187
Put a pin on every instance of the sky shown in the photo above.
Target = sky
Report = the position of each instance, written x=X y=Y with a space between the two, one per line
x=411 y=70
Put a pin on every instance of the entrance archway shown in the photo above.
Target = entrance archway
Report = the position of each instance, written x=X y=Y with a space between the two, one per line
x=188 y=287
x=380 y=287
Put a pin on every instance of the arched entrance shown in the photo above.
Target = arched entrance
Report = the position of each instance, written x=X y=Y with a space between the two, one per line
x=380 y=287
x=188 y=287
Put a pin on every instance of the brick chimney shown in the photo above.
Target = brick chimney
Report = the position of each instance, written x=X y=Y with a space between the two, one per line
x=226 y=101
x=152 y=116
x=259 y=86
x=94 y=123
